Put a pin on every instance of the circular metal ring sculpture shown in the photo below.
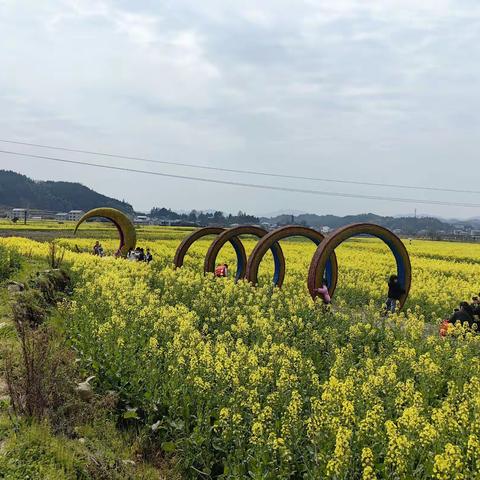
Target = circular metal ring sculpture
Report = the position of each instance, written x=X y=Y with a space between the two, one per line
x=232 y=233
x=272 y=238
x=126 y=229
x=203 y=232
x=328 y=246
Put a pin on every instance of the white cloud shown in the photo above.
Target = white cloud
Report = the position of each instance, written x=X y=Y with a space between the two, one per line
x=284 y=84
x=141 y=29
x=258 y=17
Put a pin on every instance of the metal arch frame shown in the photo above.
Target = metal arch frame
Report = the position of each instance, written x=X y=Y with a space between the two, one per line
x=125 y=228
x=234 y=233
x=328 y=246
x=204 y=232
x=272 y=238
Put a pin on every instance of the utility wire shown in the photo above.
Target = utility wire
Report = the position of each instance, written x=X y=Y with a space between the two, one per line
x=248 y=185
x=248 y=172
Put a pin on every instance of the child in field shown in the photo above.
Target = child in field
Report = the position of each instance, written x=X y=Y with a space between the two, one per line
x=323 y=293
x=395 y=293
x=98 y=249
x=221 y=270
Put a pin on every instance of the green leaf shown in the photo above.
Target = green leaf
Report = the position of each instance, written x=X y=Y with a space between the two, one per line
x=168 y=447
x=131 y=413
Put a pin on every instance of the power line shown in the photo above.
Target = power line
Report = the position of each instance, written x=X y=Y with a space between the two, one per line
x=248 y=185
x=247 y=172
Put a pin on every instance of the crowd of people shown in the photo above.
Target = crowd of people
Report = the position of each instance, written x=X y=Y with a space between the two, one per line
x=139 y=255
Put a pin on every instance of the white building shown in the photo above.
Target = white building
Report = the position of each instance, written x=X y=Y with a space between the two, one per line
x=17 y=213
x=325 y=229
x=141 y=220
x=75 y=215
x=61 y=217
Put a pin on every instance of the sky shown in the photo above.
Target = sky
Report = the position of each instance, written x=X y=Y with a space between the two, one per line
x=382 y=91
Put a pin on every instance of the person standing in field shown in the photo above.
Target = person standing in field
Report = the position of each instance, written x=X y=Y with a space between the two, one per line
x=221 y=270
x=148 y=256
x=395 y=293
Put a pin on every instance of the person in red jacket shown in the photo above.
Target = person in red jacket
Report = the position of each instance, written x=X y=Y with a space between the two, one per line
x=221 y=270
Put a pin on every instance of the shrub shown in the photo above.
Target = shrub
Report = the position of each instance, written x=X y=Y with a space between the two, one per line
x=9 y=262
x=55 y=255
x=41 y=378
x=29 y=308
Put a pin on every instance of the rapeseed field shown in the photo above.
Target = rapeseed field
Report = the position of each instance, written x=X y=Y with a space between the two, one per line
x=236 y=381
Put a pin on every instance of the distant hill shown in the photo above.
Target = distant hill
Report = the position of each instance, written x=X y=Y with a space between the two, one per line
x=471 y=222
x=408 y=225
x=22 y=192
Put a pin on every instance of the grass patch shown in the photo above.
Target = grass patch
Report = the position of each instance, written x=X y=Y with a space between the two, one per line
x=30 y=450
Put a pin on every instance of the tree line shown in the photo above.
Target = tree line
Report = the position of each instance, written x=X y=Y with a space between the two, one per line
x=203 y=218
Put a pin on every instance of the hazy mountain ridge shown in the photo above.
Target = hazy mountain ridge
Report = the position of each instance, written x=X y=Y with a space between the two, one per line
x=17 y=190
x=408 y=225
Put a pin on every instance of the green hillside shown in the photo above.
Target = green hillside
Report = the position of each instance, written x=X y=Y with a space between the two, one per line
x=17 y=190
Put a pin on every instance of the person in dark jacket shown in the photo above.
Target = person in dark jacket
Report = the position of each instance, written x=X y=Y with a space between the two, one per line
x=395 y=293
x=464 y=314
x=476 y=306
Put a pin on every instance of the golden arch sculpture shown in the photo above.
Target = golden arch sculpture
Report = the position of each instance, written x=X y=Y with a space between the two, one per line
x=125 y=227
